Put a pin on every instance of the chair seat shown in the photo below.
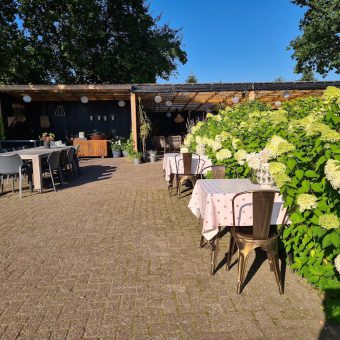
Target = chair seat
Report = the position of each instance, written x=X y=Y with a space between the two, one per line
x=246 y=234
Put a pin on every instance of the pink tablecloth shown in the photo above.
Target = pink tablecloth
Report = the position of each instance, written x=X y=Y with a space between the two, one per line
x=169 y=165
x=211 y=200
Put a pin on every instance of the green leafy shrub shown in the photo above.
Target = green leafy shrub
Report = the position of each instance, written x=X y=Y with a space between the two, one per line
x=303 y=141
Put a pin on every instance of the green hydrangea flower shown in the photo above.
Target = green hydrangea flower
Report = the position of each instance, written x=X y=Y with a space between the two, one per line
x=329 y=221
x=276 y=168
x=281 y=179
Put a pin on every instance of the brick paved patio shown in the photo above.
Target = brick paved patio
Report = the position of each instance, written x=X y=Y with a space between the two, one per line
x=112 y=256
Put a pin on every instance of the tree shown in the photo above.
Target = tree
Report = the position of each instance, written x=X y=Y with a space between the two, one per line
x=192 y=79
x=308 y=76
x=86 y=41
x=279 y=80
x=318 y=47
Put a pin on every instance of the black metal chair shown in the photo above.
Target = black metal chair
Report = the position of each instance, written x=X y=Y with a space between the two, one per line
x=53 y=168
x=71 y=165
x=76 y=159
x=260 y=235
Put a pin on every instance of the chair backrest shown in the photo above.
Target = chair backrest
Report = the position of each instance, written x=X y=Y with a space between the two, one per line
x=175 y=142
x=76 y=149
x=217 y=171
x=10 y=164
x=53 y=160
x=163 y=142
x=186 y=158
x=62 y=157
x=70 y=154
x=263 y=202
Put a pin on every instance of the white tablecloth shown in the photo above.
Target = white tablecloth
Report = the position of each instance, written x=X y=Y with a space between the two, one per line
x=211 y=200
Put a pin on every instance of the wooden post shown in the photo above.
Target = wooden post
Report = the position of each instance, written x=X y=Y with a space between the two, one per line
x=134 y=119
x=251 y=95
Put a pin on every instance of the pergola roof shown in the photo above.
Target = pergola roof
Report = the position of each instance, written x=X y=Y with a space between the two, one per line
x=196 y=97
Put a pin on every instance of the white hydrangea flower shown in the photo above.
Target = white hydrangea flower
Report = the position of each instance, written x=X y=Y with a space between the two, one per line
x=235 y=142
x=332 y=172
x=216 y=145
x=307 y=202
x=223 y=154
x=240 y=156
x=337 y=263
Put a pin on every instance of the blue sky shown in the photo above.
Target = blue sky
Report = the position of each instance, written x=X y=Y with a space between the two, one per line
x=234 y=40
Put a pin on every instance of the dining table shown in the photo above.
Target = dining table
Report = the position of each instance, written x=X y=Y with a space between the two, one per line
x=35 y=155
x=211 y=201
x=169 y=164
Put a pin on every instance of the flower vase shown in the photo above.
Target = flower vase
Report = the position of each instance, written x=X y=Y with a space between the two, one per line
x=263 y=176
x=47 y=144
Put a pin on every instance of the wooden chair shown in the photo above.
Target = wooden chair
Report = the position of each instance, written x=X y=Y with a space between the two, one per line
x=260 y=235
x=217 y=172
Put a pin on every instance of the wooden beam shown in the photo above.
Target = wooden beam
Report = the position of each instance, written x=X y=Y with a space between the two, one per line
x=189 y=101
x=211 y=97
x=251 y=95
x=134 y=119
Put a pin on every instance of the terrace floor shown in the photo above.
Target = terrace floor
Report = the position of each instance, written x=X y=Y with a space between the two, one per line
x=112 y=256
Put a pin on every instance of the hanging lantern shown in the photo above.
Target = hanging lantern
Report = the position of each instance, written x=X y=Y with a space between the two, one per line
x=91 y=118
x=112 y=117
x=168 y=114
x=179 y=119
x=99 y=118
x=105 y=118
x=84 y=99
x=235 y=100
x=286 y=94
x=277 y=103
x=26 y=98
x=121 y=103
x=158 y=99
x=168 y=103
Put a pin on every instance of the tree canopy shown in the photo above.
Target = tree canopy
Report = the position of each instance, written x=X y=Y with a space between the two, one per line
x=85 y=41
x=192 y=79
x=319 y=45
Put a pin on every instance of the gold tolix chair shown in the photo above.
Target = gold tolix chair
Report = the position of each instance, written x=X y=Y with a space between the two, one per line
x=260 y=235
x=217 y=172
x=188 y=174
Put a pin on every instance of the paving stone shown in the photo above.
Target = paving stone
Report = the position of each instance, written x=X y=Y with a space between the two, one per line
x=112 y=256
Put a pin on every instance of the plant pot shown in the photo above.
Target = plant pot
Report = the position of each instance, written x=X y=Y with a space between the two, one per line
x=152 y=158
x=125 y=153
x=137 y=161
x=116 y=154
x=47 y=144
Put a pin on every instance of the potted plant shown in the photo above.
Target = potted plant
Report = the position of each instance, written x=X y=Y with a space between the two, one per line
x=116 y=147
x=127 y=147
x=136 y=156
x=144 y=127
x=47 y=137
x=152 y=154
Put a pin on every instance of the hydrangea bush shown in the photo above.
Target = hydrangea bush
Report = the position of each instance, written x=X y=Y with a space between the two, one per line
x=301 y=142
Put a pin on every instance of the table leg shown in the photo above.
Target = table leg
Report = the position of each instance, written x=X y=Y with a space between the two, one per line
x=37 y=177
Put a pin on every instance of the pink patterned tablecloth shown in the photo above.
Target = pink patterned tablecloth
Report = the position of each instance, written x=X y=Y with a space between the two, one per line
x=169 y=164
x=211 y=200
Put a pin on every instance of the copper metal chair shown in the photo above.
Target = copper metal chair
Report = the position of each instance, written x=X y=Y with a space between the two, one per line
x=163 y=143
x=187 y=174
x=217 y=172
x=260 y=235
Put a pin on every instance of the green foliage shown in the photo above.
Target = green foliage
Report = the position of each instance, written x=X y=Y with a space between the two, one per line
x=128 y=146
x=192 y=79
x=319 y=45
x=85 y=41
x=247 y=128
x=307 y=75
